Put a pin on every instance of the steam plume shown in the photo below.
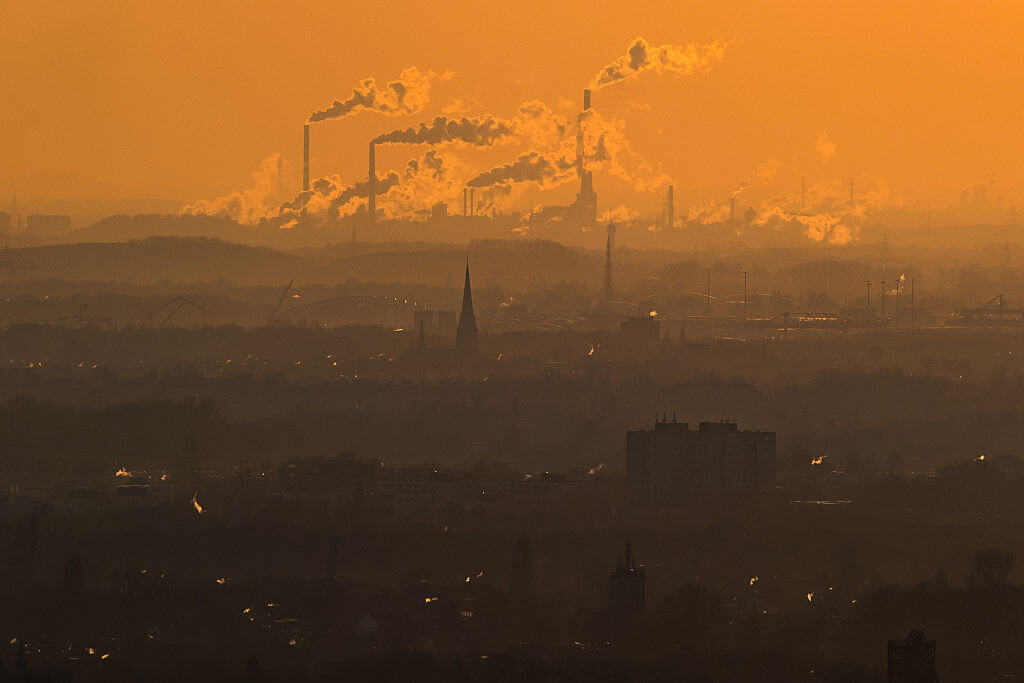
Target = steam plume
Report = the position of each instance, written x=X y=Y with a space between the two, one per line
x=407 y=95
x=683 y=60
x=605 y=148
x=825 y=148
x=478 y=131
x=250 y=205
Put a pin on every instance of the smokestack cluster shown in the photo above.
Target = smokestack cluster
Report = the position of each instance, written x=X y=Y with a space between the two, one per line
x=305 y=158
x=371 y=196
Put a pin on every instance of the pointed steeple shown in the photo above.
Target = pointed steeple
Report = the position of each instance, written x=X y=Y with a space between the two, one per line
x=466 y=339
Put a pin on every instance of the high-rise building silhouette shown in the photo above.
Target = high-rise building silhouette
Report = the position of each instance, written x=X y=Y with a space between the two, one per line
x=912 y=660
x=466 y=336
x=714 y=469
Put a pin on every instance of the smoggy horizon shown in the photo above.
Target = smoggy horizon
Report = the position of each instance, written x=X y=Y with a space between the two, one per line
x=164 y=101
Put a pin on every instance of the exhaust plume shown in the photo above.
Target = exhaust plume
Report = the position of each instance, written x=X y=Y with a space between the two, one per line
x=683 y=60
x=533 y=122
x=421 y=183
x=250 y=205
x=825 y=148
x=762 y=174
x=605 y=148
x=478 y=131
x=407 y=95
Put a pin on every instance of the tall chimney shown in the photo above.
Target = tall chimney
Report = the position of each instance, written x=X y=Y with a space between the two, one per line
x=305 y=157
x=671 y=218
x=732 y=209
x=465 y=201
x=371 y=194
x=586 y=99
x=609 y=246
x=472 y=208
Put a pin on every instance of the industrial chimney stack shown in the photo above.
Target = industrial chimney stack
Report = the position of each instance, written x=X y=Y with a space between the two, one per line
x=608 y=249
x=732 y=209
x=671 y=208
x=586 y=99
x=472 y=208
x=465 y=201
x=371 y=190
x=305 y=158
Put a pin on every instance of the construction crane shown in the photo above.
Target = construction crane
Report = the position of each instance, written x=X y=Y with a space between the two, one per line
x=280 y=301
x=994 y=312
x=181 y=302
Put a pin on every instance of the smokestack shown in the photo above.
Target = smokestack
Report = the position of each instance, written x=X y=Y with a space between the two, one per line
x=305 y=158
x=732 y=209
x=371 y=194
x=580 y=160
x=671 y=218
x=609 y=246
x=465 y=201
x=472 y=209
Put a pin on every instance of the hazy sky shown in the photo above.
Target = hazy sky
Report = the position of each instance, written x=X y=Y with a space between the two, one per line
x=171 y=99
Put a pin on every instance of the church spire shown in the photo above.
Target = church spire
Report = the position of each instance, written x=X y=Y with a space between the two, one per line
x=466 y=340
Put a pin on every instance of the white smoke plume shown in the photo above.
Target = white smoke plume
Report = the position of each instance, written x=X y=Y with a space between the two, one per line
x=533 y=122
x=825 y=148
x=683 y=60
x=553 y=161
x=620 y=214
x=477 y=131
x=421 y=183
x=250 y=205
x=409 y=94
x=762 y=174
x=828 y=217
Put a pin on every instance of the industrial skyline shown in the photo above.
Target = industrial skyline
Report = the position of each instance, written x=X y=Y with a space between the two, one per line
x=659 y=341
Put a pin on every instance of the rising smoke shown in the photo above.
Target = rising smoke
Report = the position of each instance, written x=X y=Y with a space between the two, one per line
x=252 y=204
x=553 y=163
x=683 y=60
x=407 y=95
x=825 y=148
x=423 y=180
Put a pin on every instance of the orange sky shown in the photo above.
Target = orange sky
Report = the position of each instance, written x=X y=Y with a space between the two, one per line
x=169 y=99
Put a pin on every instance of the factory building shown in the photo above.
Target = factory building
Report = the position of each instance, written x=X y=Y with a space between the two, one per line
x=641 y=332
x=715 y=469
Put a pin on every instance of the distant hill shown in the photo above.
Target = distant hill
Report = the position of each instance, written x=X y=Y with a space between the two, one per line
x=172 y=259
x=511 y=263
x=123 y=228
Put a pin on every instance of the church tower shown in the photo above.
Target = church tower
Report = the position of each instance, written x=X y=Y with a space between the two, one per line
x=466 y=341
